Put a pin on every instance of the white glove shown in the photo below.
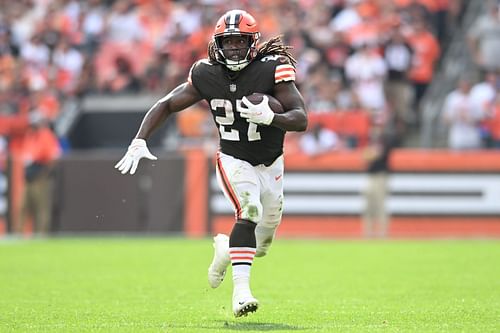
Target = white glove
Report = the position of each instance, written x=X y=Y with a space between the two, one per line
x=260 y=114
x=135 y=152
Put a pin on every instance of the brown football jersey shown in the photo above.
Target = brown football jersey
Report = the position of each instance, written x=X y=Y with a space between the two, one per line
x=224 y=89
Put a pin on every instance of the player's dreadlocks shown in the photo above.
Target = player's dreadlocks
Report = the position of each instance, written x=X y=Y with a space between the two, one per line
x=271 y=47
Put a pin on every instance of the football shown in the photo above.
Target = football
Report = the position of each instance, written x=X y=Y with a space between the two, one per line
x=274 y=104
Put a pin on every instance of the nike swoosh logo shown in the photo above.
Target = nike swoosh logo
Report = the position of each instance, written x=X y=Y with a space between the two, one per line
x=241 y=303
x=277 y=177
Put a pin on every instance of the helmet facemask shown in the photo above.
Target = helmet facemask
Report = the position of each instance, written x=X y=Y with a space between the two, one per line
x=236 y=58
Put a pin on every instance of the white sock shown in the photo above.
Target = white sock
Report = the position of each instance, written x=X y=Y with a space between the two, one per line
x=241 y=261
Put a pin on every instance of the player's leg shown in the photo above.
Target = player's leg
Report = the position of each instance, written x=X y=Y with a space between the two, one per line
x=233 y=184
x=242 y=247
x=382 y=218
x=43 y=204
x=272 y=202
x=370 y=207
x=27 y=208
x=241 y=186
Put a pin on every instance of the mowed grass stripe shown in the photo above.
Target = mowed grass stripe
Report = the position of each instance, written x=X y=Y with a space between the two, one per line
x=159 y=285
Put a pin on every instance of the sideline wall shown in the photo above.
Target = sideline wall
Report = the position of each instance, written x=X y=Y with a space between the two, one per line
x=92 y=196
x=433 y=193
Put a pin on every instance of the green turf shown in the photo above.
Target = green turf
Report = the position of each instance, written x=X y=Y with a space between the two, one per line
x=159 y=285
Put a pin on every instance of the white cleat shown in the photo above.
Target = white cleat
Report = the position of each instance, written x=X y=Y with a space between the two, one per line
x=242 y=306
x=218 y=267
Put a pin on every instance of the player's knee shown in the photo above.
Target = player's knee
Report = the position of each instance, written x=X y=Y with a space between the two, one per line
x=273 y=214
x=252 y=211
x=270 y=223
x=272 y=218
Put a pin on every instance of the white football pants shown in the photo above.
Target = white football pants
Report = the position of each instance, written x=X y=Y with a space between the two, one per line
x=256 y=194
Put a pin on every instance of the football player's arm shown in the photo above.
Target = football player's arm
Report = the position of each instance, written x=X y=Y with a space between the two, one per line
x=295 y=117
x=177 y=100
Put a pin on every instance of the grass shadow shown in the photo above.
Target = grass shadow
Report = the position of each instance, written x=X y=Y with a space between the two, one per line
x=249 y=326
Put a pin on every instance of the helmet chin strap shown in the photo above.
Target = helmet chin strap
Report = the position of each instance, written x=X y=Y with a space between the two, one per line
x=236 y=65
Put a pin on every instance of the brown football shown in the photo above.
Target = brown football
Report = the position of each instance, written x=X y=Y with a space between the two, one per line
x=274 y=104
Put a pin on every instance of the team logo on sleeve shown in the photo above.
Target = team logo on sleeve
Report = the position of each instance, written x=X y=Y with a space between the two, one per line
x=284 y=73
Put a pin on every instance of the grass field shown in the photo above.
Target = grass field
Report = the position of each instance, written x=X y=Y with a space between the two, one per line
x=159 y=285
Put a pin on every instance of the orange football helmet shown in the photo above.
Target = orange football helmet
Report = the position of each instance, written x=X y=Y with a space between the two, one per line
x=236 y=23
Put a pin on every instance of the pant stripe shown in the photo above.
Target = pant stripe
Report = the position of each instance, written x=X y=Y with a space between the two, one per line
x=228 y=189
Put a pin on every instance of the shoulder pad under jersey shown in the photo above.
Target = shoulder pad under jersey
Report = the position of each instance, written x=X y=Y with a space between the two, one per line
x=198 y=65
x=283 y=69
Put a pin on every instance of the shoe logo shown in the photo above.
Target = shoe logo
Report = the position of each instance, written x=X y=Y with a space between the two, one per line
x=241 y=303
x=277 y=177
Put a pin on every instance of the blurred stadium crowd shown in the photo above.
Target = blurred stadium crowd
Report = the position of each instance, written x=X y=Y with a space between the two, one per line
x=359 y=61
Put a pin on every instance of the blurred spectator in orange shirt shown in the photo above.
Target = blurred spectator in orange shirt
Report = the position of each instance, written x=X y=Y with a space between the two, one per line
x=7 y=72
x=39 y=150
x=426 y=53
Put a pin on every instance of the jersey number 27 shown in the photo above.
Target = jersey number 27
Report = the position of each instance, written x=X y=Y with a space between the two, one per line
x=233 y=134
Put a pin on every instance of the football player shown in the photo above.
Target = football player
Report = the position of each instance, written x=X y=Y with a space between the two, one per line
x=250 y=157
